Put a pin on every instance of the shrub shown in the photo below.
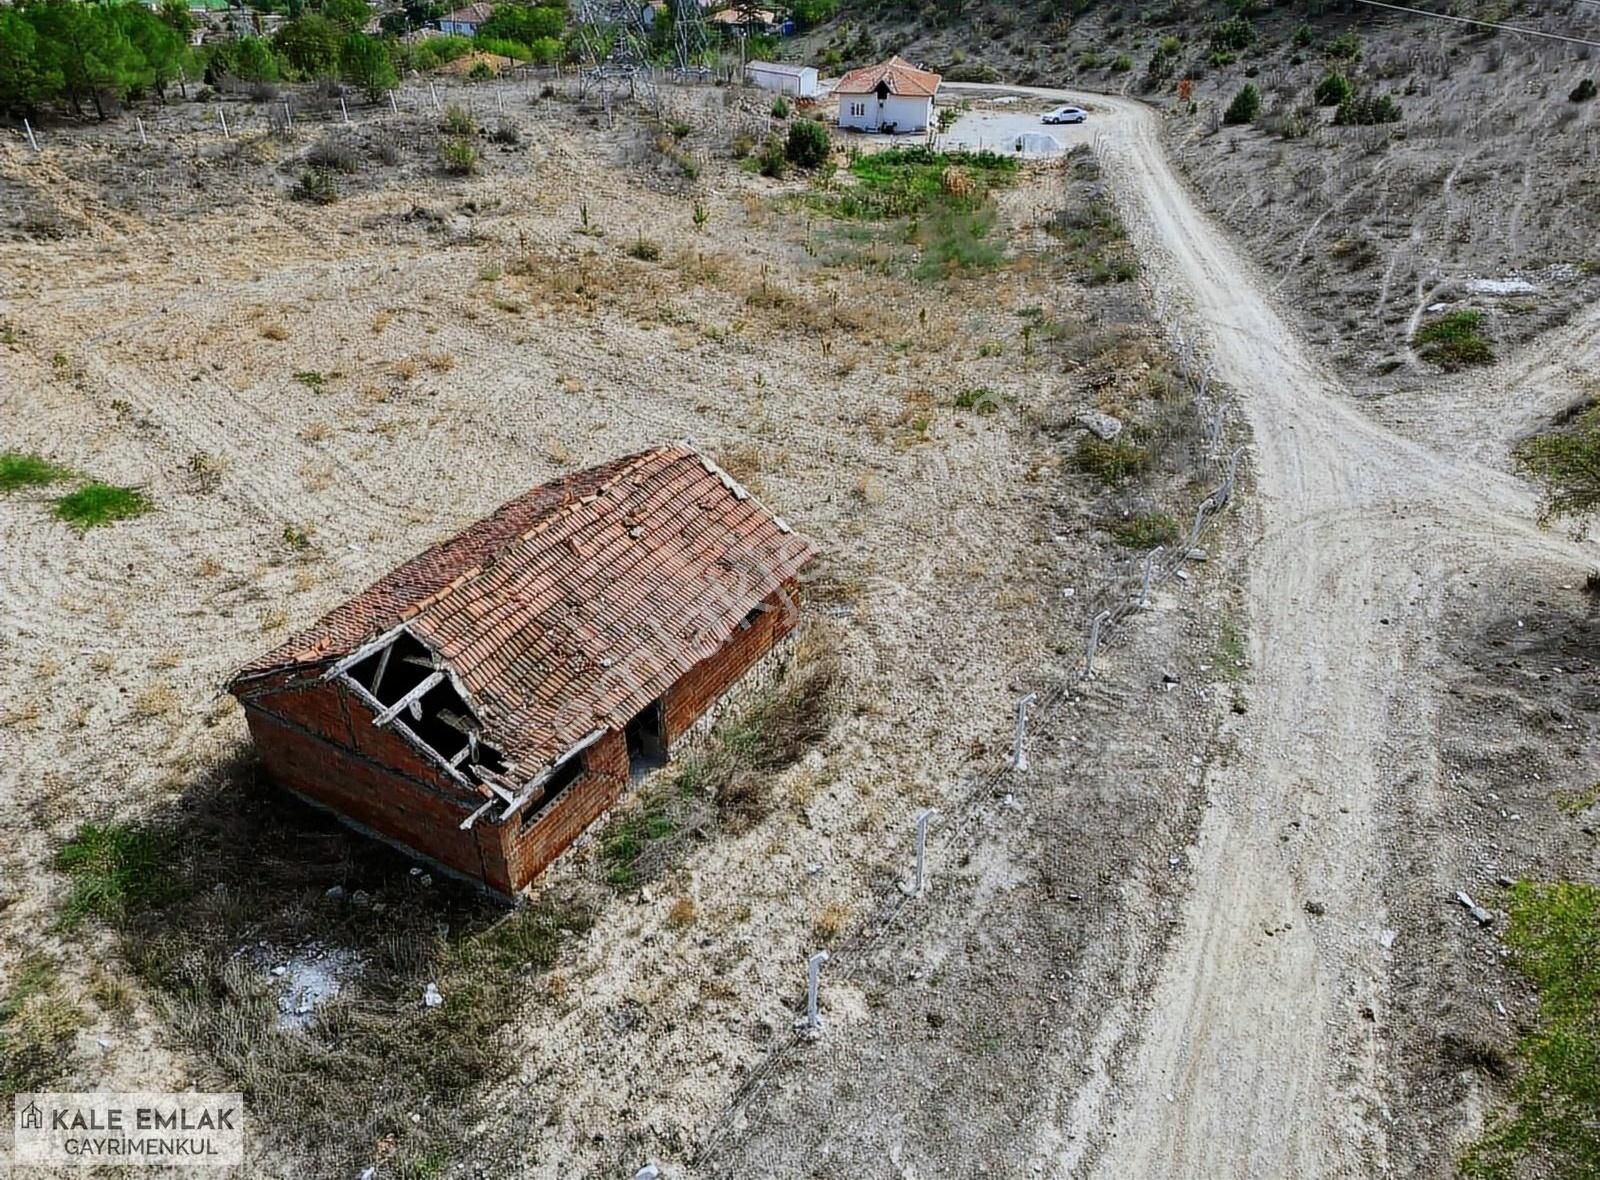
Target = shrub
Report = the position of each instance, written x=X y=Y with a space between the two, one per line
x=1345 y=47
x=1366 y=110
x=644 y=249
x=780 y=108
x=459 y=121
x=773 y=160
x=458 y=157
x=1145 y=531
x=329 y=155
x=1583 y=91
x=317 y=187
x=481 y=71
x=506 y=134
x=808 y=144
x=1302 y=37
x=1244 y=108
x=101 y=503
x=1453 y=340
x=1334 y=89
x=1121 y=64
x=1113 y=462
x=1234 y=34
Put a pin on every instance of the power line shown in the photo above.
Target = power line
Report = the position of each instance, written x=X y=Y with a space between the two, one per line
x=1487 y=24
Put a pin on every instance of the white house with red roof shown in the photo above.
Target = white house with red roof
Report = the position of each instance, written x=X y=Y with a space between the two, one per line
x=894 y=96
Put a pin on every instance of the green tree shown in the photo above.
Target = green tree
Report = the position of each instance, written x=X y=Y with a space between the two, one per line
x=808 y=144
x=28 y=75
x=351 y=16
x=523 y=23
x=85 y=43
x=1244 y=108
x=310 y=46
x=249 y=59
x=164 y=50
x=1334 y=89
x=176 y=14
x=365 y=62
x=809 y=13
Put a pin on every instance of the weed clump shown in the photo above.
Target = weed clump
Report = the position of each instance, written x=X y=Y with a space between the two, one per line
x=1551 y=1130
x=1454 y=340
x=20 y=470
x=458 y=157
x=101 y=503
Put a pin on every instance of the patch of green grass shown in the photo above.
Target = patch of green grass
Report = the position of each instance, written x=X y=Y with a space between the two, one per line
x=1112 y=462
x=36 y=1026
x=1454 y=340
x=1094 y=239
x=629 y=836
x=188 y=912
x=1552 y=1128
x=1232 y=658
x=101 y=503
x=311 y=379
x=110 y=867
x=982 y=400
x=1566 y=462
x=21 y=470
x=1145 y=531
x=955 y=241
x=644 y=249
x=1577 y=802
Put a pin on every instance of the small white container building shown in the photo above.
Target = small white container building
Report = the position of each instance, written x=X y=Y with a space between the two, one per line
x=894 y=97
x=781 y=78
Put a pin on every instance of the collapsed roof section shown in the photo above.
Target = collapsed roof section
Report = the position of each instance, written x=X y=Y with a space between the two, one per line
x=503 y=651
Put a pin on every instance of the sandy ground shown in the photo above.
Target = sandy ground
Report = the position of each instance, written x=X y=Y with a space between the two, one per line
x=1149 y=997
x=377 y=373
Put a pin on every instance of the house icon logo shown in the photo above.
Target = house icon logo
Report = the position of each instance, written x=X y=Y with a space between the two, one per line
x=30 y=1117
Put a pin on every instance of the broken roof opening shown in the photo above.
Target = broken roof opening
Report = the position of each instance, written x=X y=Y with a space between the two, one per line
x=413 y=685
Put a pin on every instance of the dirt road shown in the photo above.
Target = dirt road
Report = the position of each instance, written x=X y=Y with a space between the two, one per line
x=1261 y=1052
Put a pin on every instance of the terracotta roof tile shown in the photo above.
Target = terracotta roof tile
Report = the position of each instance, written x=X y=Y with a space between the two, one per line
x=574 y=606
x=902 y=77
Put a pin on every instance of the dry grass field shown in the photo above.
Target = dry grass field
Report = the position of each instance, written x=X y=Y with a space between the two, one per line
x=294 y=394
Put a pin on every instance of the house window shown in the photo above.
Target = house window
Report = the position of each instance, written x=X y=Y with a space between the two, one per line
x=564 y=777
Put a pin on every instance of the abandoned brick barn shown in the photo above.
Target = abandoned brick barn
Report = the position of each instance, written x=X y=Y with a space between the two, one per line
x=483 y=703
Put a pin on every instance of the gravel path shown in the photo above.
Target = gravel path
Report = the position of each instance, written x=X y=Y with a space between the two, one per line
x=1257 y=1057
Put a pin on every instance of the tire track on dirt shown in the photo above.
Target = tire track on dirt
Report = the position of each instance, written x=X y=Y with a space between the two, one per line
x=1254 y=1059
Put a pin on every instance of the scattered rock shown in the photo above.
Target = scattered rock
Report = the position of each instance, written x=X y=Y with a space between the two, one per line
x=650 y=1171
x=1315 y=908
x=431 y=997
x=1386 y=938
x=361 y=899
x=334 y=893
x=1481 y=916
x=1102 y=426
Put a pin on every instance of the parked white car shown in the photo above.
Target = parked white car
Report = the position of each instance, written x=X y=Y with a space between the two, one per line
x=1065 y=115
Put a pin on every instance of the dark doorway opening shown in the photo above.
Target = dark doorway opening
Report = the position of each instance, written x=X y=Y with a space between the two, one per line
x=647 y=739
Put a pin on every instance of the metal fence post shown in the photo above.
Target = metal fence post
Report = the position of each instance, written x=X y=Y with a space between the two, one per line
x=1149 y=574
x=1019 y=755
x=1094 y=642
x=811 y=1022
x=923 y=816
x=32 y=142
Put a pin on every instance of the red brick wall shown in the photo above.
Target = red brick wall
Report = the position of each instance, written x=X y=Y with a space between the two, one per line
x=398 y=808
x=528 y=849
x=700 y=687
x=319 y=742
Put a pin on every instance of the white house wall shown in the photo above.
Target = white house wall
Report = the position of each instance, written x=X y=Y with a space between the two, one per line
x=905 y=112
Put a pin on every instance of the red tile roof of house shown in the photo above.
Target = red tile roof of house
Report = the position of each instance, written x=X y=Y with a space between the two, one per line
x=574 y=606
x=902 y=77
